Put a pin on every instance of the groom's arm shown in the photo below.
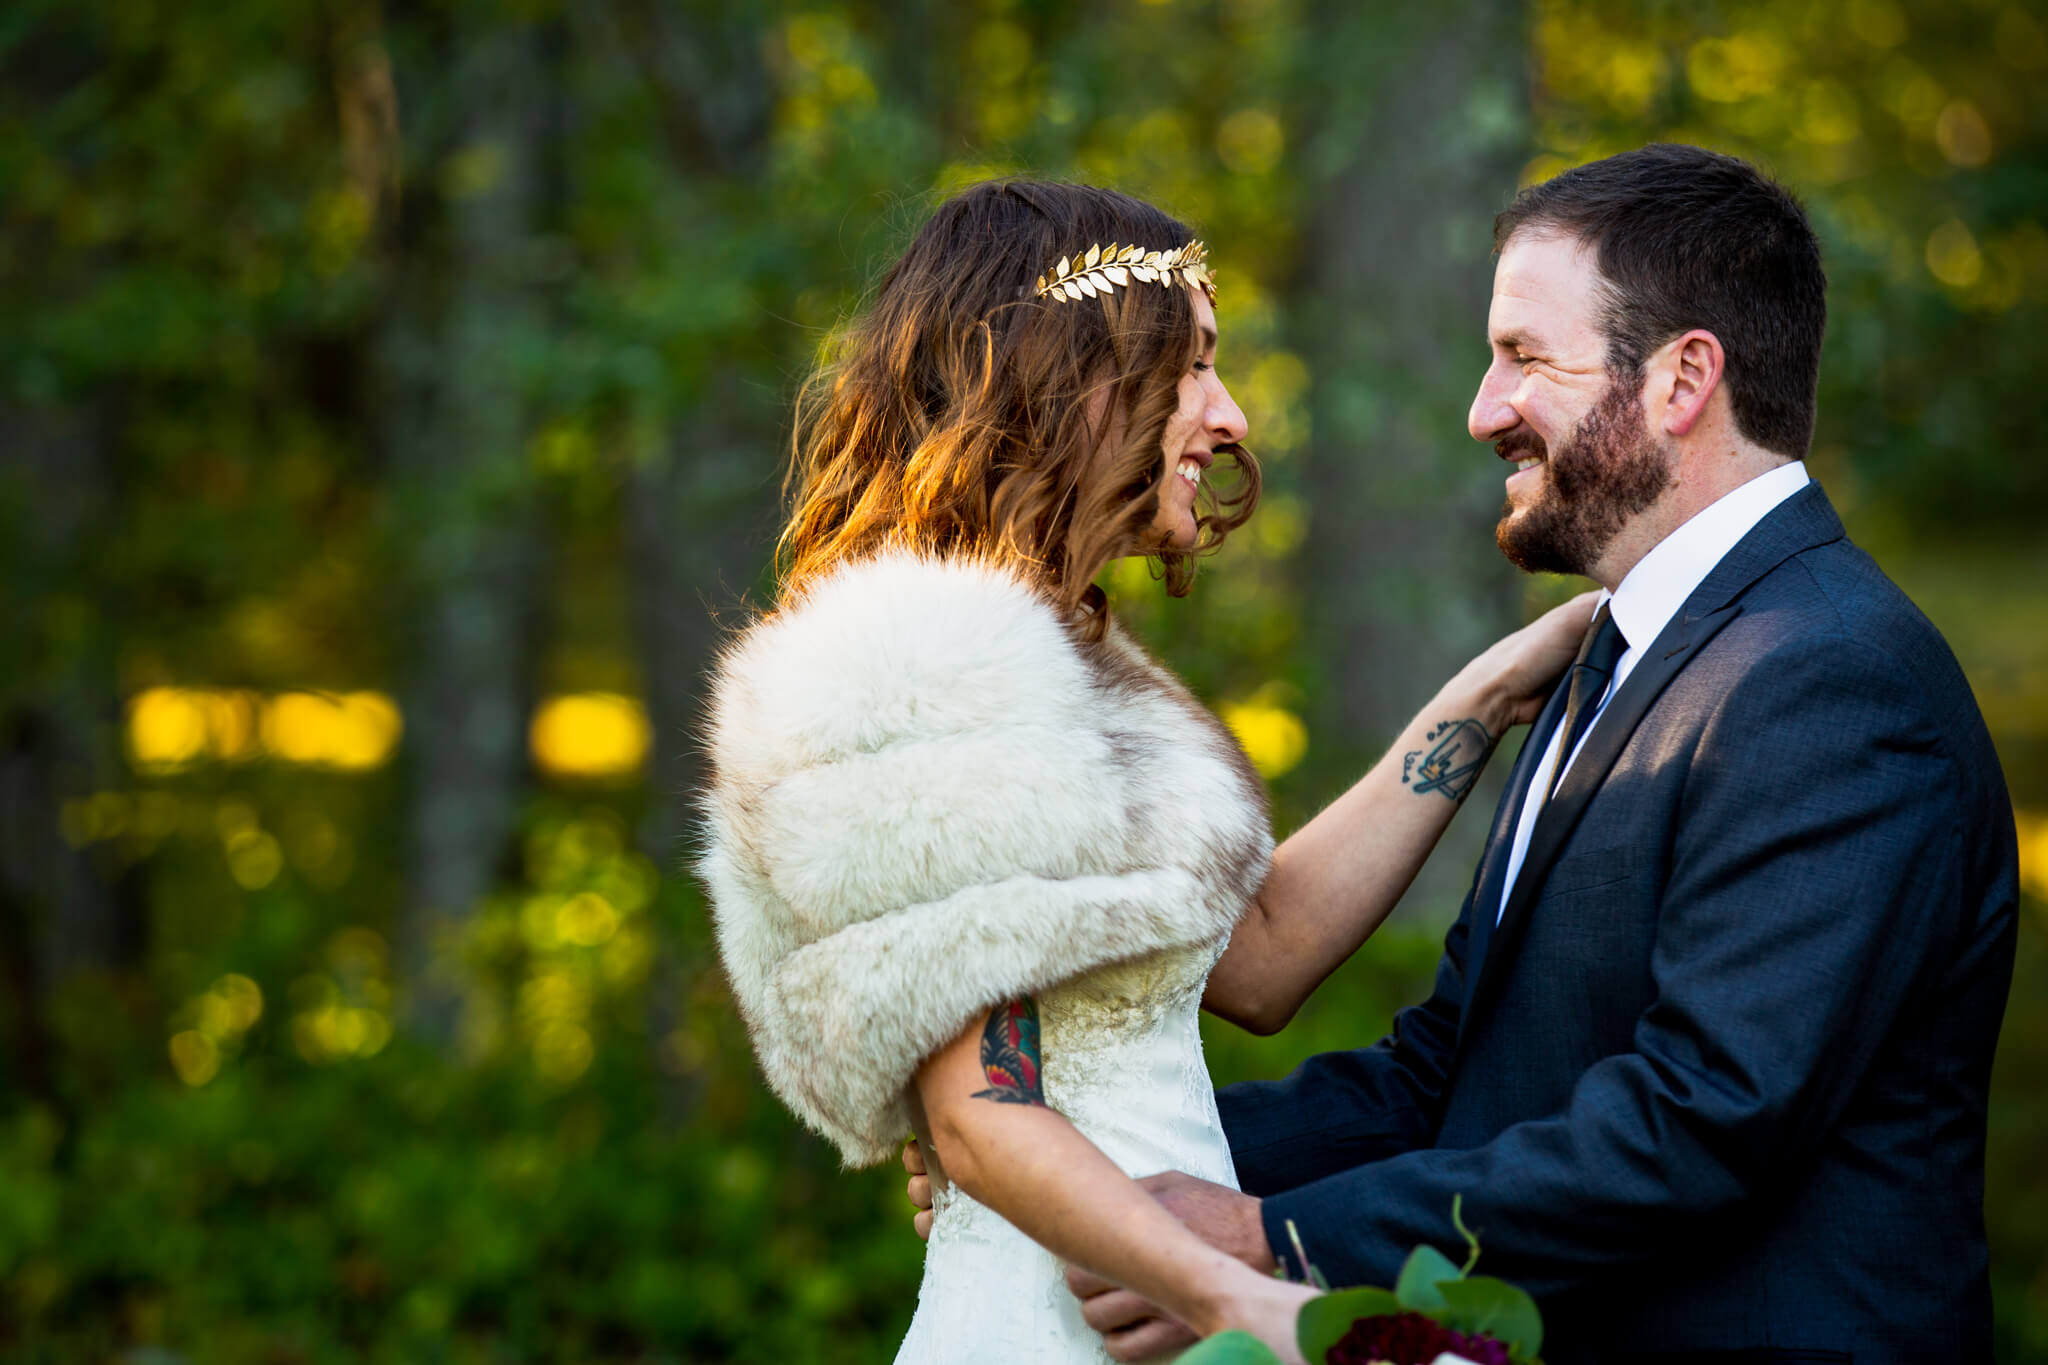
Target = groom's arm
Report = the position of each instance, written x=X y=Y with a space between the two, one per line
x=1341 y=1109
x=1810 y=902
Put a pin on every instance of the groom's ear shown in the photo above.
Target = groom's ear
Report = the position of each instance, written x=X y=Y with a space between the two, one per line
x=1682 y=378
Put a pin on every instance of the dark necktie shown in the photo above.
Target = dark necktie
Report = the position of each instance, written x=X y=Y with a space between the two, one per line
x=1590 y=674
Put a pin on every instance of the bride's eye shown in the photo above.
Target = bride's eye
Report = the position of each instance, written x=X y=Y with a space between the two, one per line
x=1201 y=365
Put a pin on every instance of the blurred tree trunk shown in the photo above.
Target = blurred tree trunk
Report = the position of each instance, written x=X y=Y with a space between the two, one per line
x=464 y=313
x=67 y=906
x=696 y=509
x=1414 y=127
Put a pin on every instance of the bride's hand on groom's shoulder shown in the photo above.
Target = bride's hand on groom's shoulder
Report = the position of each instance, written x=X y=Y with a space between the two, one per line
x=1518 y=670
x=920 y=1189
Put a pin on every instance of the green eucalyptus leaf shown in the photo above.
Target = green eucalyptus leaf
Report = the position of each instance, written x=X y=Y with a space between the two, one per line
x=1426 y=1269
x=1325 y=1319
x=1229 y=1348
x=1484 y=1304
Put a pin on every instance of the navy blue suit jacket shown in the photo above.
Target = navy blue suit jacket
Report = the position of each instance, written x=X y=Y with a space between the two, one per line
x=1717 y=1081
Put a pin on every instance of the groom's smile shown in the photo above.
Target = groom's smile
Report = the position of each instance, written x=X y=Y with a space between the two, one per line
x=1585 y=462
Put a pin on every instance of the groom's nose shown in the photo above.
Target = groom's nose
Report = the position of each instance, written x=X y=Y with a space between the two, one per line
x=1492 y=415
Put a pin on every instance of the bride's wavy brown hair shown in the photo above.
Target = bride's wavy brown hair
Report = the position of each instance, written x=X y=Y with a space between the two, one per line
x=963 y=415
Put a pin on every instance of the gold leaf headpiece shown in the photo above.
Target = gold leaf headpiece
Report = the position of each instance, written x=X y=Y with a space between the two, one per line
x=1104 y=268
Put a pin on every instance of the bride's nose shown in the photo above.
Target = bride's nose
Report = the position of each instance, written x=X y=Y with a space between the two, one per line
x=1223 y=417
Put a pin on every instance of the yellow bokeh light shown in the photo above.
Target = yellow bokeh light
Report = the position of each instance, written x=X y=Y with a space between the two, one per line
x=562 y=1052
x=590 y=735
x=352 y=730
x=2033 y=832
x=195 y=1057
x=230 y=1007
x=1273 y=737
x=1250 y=141
x=295 y=726
x=233 y=720
x=172 y=727
x=587 y=919
x=370 y=731
x=1633 y=76
x=254 y=858
x=1953 y=256
x=335 y=1032
x=166 y=727
x=553 y=995
x=1828 y=114
x=1729 y=70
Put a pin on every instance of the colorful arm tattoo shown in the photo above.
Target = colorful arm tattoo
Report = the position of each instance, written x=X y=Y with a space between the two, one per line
x=1460 y=750
x=1009 y=1054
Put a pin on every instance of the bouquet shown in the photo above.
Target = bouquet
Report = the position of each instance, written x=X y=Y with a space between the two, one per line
x=1437 y=1313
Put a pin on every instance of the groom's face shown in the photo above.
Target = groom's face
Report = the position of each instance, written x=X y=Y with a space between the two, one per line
x=1585 y=461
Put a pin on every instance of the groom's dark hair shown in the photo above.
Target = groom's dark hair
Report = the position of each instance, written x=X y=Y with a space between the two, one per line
x=1689 y=238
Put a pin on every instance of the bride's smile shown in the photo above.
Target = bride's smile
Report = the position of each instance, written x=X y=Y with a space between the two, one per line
x=1207 y=418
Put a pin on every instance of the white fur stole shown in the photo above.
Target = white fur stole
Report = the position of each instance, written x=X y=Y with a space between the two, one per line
x=927 y=800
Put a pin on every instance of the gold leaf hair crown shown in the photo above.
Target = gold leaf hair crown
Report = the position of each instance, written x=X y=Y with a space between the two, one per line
x=1105 y=268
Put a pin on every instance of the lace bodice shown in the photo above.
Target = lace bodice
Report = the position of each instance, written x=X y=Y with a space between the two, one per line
x=1122 y=1059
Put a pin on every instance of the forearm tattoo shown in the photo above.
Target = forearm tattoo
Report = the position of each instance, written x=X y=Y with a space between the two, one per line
x=1458 y=749
x=1009 y=1055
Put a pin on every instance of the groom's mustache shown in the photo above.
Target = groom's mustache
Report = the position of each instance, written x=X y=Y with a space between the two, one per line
x=1521 y=444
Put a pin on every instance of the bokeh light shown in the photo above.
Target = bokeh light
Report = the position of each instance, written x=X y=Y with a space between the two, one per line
x=590 y=735
x=171 y=728
x=1274 y=737
x=2033 y=832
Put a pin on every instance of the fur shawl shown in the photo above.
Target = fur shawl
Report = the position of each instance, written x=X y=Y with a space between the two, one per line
x=928 y=799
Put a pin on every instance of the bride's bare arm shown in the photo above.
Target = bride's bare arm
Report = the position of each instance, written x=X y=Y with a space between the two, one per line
x=1338 y=876
x=990 y=1132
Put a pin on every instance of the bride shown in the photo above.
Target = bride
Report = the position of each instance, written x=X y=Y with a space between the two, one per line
x=976 y=859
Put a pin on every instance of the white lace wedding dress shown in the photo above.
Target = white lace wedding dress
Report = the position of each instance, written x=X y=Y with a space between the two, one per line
x=1122 y=1059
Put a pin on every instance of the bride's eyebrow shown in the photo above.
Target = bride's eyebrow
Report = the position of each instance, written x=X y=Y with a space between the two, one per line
x=1208 y=339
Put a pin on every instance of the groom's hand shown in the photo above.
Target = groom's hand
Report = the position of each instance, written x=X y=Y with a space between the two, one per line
x=1226 y=1219
x=1132 y=1327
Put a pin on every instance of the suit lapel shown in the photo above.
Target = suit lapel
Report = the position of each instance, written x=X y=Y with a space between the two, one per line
x=1667 y=654
x=1493 y=863
x=1802 y=521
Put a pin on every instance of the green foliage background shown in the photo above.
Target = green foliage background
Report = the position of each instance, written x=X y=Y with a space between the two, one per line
x=444 y=351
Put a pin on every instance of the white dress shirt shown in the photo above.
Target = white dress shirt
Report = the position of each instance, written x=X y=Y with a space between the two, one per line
x=1644 y=604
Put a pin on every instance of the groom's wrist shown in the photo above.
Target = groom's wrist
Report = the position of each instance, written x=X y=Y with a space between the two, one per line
x=1251 y=1244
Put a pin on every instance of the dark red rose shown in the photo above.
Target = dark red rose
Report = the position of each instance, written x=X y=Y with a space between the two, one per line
x=1411 y=1339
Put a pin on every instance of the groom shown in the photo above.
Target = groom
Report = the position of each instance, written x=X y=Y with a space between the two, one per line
x=1708 y=1051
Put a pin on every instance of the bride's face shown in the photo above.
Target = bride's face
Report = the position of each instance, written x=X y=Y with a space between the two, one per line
x=1208 y=418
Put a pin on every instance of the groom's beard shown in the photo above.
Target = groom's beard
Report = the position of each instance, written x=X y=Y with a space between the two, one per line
x=1606 y=471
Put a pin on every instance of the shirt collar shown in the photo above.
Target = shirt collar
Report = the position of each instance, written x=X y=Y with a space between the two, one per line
x=1664 y=578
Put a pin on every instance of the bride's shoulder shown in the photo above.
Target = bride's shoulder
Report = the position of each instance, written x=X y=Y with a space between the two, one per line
x=895 y=646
